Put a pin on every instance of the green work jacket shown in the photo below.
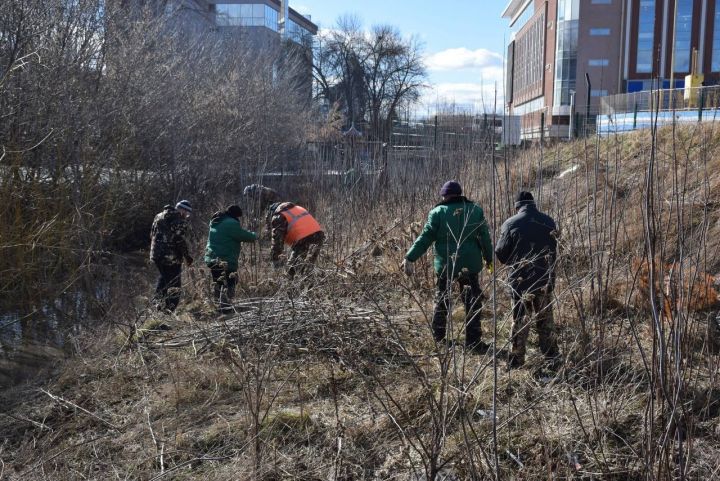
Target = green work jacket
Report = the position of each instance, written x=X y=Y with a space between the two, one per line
x=460 y=234
x=224 y=240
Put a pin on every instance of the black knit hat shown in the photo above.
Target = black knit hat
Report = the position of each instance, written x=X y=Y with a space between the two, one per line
x=234 y=211
x=451 y=188
x=524 y=198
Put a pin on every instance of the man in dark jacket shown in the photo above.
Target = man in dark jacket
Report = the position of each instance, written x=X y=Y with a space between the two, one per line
x=528 y=245
x=168 y=249
x=258 y=198
x=293 y=225
x=459 y=231
x=222 y=252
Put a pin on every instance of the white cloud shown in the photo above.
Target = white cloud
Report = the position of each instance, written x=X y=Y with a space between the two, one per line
x=463 y=59
x=476 y=97
x=469 y=79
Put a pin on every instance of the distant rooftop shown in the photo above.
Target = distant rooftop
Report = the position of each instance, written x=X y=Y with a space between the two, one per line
x=514 y=8
x=296 y=16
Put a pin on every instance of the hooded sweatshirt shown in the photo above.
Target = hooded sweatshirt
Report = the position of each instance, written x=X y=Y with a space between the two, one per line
x=224 y=240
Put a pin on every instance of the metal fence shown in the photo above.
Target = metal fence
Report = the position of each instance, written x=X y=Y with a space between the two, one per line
x=641 y=110
x=694 y=99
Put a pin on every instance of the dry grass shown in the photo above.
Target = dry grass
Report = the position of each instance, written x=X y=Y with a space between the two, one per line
x=341 y=380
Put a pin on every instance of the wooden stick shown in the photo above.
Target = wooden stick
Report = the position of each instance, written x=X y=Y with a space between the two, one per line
x=75 y=406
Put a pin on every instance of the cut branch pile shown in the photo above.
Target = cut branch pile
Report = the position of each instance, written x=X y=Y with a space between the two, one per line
x=316 y=325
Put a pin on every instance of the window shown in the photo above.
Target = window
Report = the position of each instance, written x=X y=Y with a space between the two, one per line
x=600 y=32
x=683 y=35
x=271 y=18
x=598 y=93
x=598 y=62
x=529 y=107
x=246 y=15
x=646 y=36
x=716 y=39
x=566 y=55
x=528 y=60
x=298 y=34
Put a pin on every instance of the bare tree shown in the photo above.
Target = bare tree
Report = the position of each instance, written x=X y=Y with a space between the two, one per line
x=105 y=106
x=368 y=74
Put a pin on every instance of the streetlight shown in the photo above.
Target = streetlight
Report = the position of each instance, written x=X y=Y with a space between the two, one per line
x=570 y=119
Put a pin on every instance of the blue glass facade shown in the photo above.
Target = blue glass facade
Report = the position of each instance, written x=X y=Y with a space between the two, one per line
x=566 y=56
x=259 y=15
x=646 y=36
x=299 y=34
x=683 y=35
x=716 y=39
x=246 y=15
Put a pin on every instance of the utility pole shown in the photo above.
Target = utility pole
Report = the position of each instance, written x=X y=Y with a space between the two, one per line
x=570 y=117
x=588 y=86
x=672 y=55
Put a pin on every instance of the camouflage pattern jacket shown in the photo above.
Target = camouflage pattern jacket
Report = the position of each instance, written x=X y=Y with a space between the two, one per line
x=260 y=196
x=168 y=245
x=277 y=225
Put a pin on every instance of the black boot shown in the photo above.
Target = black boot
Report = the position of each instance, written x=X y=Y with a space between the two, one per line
x=515 y=361
x=477 y=347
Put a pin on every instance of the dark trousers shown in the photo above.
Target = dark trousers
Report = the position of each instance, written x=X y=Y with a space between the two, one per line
x=472 y=297
x=224 y=282
x=304 y=254
x=167 y=290
x=537 y=305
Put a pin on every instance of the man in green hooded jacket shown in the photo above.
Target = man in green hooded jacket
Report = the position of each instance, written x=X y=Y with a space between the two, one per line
x=222 y=252
x=459 y=232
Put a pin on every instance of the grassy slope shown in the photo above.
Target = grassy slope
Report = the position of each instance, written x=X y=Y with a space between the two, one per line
x=344 y=382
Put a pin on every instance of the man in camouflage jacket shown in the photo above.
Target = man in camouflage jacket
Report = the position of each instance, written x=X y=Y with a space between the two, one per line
x=258 y=198
x=168 y=249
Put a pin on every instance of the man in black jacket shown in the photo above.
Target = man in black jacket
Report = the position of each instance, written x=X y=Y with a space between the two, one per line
x=527 y=243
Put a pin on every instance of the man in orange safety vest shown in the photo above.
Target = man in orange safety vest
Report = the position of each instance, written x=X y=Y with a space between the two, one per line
x=293 y=225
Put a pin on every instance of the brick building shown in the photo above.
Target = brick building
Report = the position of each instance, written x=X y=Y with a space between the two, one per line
x=559 y=47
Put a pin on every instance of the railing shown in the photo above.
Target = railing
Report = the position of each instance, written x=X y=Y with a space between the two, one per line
x=642 y=110
x=696 y=98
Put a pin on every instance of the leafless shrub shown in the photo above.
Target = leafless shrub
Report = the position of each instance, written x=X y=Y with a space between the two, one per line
x=109 y=113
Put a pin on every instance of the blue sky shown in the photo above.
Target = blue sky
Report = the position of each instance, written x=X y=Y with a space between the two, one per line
x=464 y=40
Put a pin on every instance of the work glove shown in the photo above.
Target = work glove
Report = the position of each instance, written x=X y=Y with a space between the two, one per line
x=408 y=267
x=490 y=267
x=189 y=260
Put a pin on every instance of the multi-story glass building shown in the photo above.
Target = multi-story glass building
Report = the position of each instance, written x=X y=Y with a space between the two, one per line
x=619 y=46
x=263 y=16
x=261 y=21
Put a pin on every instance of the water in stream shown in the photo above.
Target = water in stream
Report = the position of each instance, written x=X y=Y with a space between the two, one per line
x=35 y=336
x=32 y=338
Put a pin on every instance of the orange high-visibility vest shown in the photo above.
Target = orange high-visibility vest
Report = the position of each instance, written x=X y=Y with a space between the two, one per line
x=300 y=224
